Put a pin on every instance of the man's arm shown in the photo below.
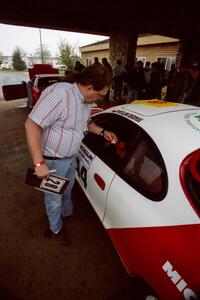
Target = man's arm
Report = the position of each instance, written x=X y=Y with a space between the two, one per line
x=33 y=136
x=108 y=135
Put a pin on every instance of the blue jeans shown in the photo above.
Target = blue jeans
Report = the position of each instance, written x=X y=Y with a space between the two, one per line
x=58 y=206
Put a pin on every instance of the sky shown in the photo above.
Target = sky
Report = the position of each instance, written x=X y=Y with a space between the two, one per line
x=28 y=39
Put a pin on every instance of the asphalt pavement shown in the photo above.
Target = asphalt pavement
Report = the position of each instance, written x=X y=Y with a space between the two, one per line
x=33 y=268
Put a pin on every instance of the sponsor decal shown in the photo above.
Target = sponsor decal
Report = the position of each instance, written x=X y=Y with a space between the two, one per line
x=128 y=115
x=85 y=156
x=193 y=120
x=155 y=103
x=179 y=282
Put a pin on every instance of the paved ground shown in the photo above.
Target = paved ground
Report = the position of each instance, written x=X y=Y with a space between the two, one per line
x=32 y=268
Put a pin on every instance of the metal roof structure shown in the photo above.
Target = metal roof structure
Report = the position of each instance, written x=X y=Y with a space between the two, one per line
x=175 y=19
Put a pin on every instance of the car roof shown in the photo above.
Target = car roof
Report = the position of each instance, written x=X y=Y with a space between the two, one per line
x=169 y=124
x=149 y=108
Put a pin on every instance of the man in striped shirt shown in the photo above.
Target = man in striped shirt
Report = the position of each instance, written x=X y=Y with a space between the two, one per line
x=55 y=129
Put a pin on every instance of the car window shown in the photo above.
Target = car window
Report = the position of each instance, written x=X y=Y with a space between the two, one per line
x=145 y=169
x=46 y=81
x=9 y=80
x=135 y=158
x=112 y=154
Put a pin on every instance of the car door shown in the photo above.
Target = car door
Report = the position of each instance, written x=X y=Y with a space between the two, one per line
x=94 y=177
x=98 y=161
x=14 y=91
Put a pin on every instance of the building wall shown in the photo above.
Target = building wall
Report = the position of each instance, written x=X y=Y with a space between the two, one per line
x=88 y=57
x=146 y=52
x=150 y=48
x=152 y=52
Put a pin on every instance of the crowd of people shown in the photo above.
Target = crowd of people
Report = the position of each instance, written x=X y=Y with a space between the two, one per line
x=134 y=81
x=184 y=84
x=138 y=81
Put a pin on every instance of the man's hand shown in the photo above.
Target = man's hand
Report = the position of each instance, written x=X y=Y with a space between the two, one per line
x=110 y=136
x=42 y=171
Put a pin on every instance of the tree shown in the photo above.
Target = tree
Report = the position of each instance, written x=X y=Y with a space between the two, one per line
x=17 y=62
x=43 y=53
x=67 y=55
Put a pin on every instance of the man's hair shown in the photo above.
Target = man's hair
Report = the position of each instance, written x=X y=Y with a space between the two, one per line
x=95 y=75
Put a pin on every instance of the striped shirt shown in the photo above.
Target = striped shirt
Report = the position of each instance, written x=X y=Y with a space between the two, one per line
x=63 y=115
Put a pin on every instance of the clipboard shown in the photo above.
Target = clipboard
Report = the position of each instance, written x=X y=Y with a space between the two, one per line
x=53 y=184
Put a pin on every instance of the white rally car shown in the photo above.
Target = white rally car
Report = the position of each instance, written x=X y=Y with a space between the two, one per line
x=146 y=191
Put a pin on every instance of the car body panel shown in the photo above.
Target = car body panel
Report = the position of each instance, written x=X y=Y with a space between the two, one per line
x=162 y=213
x=186 y=124
x=146 y=252
x=158 y=239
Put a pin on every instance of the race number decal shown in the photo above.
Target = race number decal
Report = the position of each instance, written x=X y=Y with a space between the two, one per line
x=81 y=171
x=83 y=161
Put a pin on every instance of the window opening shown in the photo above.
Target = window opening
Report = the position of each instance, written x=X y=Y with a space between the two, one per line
x=135 y=158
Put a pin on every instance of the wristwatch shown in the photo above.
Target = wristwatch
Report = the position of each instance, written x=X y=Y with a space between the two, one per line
x=102 y=131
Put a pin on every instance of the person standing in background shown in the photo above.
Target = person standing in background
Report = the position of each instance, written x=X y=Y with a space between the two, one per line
x=192 y=96
x=118 y=73
x=78 y=67
x=96 y=61
x=147 y=72
x=153 y=89
x=106 y=65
